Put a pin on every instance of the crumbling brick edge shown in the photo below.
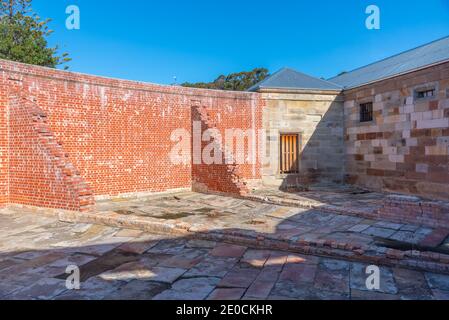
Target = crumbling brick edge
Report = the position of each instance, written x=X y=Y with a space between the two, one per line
x=73 y=191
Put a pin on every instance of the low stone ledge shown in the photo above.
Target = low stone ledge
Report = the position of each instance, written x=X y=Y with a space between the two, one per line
x=396 y=208
x=402 y=198
x=415 y=210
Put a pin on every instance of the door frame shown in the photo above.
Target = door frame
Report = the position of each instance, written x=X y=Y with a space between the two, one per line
x=298 y=152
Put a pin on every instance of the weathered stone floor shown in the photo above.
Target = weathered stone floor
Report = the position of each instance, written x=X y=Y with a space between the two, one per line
x=129 y=264
x=342 y=196
x=210 y=213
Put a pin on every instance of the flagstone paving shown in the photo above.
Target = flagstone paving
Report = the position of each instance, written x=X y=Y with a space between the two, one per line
x=118 y=263
x=211 y=212
x=342 y=196
x=243 y=221
x=305 y=229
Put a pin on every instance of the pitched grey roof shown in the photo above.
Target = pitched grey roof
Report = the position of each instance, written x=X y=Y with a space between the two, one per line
x=426 y=55
x=290 y=79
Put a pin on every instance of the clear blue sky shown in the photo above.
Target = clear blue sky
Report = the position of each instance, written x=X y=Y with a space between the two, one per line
x=197 y=40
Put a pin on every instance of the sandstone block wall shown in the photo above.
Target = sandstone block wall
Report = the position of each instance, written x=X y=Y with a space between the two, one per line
x=318 y=119
x=405 y=148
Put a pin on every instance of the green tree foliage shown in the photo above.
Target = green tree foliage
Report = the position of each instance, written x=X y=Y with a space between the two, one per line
x=235 y=82
x=23 y=36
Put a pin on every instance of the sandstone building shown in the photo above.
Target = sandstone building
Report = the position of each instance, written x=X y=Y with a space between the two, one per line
x=384 y=126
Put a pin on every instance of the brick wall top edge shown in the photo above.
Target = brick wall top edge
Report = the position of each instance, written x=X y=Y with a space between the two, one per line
x=63 y=75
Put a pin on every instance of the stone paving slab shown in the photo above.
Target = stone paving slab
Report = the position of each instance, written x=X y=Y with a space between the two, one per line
x=250 y=274
x=344 y=197
x=310 y=231
x=350 y=200
x=283 y=222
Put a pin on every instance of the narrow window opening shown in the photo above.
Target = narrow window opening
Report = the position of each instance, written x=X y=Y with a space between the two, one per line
x=425 y=93
x=366 y=112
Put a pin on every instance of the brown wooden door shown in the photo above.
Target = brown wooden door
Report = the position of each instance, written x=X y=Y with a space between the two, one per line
x=289 y=153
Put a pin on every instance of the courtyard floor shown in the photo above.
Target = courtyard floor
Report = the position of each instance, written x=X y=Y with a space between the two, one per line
x=118 y=263
x=208 y=213
x=302 y=229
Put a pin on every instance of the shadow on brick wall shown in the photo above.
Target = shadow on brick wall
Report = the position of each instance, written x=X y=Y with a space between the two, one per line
x=223 y=178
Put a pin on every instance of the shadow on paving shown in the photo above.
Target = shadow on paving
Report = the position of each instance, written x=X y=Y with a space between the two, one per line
x=120 y=263
x=273 y=226
x=344 y=196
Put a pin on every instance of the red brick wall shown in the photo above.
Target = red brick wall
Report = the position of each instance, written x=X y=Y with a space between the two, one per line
x=115 y=132
x=40 y=173
x=406 y=148
x=228 y=177
x=3 y=150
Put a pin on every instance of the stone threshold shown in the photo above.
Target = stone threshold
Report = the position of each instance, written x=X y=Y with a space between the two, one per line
x=412 y=259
